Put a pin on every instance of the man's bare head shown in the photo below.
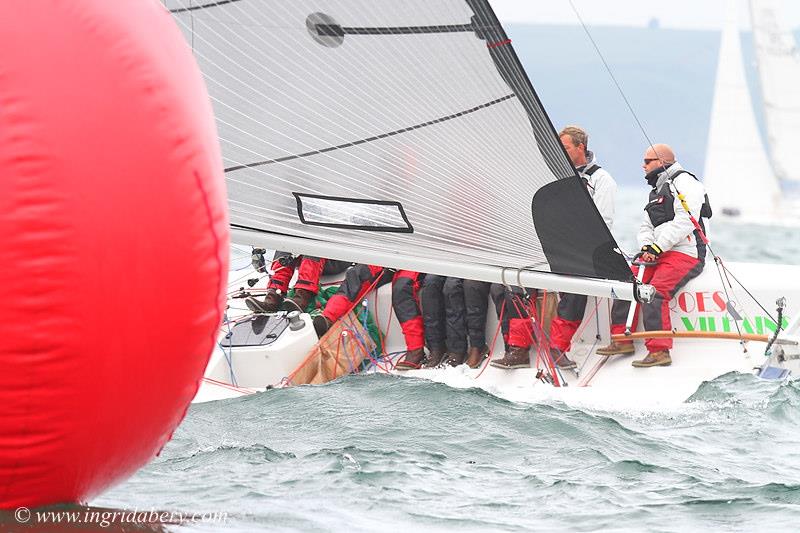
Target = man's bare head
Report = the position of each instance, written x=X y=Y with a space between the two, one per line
x=657 y=155
x=576 y=144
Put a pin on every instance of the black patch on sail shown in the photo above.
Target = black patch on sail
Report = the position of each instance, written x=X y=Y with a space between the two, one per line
x=325 y=30
x=574 y=238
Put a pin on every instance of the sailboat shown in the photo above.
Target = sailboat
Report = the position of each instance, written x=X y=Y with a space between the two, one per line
x=750 y=183
x=408 y=135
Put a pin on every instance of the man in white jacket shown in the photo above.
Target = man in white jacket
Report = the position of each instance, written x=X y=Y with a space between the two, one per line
x=602 y=188
x=667 y=236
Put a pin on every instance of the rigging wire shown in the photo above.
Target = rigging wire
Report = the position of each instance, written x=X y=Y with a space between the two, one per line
x=611 y=73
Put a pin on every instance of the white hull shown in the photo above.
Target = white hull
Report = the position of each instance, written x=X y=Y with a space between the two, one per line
x=601 y=381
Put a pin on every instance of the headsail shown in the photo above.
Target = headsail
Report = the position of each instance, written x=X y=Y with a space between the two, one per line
x=404 y=134
x=737 y=173
x=779 y=72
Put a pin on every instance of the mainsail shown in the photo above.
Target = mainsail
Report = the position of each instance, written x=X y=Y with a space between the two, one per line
x=779 y=72
x=737 y=173
x=404 y=134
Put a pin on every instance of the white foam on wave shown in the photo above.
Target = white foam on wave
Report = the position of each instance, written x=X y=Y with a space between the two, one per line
x=522 y=386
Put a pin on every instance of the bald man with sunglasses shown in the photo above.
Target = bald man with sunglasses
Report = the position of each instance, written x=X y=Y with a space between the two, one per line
x=669 y=238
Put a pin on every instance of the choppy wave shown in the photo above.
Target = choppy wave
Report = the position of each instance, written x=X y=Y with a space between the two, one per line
x=371 y=452
x=376 y=452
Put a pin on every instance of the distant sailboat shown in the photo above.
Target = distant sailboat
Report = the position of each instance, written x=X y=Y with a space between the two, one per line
x=743 y=178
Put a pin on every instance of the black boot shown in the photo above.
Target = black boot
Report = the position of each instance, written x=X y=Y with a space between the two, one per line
x=321 y=325
x=300 y=301
x=515 y=357
x=435 y=357
x=271 y=304
x=455 y=359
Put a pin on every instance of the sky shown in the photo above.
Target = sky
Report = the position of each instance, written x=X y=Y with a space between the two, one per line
x=681 y=14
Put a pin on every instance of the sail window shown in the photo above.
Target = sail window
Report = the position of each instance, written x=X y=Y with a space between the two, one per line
x=352 y=213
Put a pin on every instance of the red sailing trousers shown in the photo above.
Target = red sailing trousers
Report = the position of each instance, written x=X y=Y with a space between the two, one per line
x=405 y=298
x=673 y=271
x=571 y=308
x=308 y=274
x=520 y=332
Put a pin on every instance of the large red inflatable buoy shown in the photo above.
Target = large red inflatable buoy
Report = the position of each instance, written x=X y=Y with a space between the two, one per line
x=113 y=242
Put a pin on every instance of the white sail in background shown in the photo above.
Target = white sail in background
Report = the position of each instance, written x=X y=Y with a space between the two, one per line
x=738 y=176
x=779 y=73
x=404 y=134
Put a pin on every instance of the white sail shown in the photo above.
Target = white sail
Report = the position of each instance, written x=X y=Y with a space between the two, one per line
x=738 y=176
x=779 y=73
x=402 y=134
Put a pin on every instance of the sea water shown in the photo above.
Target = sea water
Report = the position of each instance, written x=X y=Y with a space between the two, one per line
x=377 y=452
x=382 y=453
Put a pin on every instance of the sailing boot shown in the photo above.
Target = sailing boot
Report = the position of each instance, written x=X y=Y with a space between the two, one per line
x=321 y=325
x=271 y=304
x=617 y=348
x=561 y=360
x=454 y=359
x=412 y=360
x=659 y=358
x=435 y=358
x=515 y=357
x=476 y=355
x=300 y=301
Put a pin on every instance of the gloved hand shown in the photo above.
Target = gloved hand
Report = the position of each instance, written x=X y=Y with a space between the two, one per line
x=258 y=261
x=287 y=260
x=650 y=253
x=652 y=249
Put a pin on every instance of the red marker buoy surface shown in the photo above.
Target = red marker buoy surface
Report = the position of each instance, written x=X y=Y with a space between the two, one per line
x=114 y=250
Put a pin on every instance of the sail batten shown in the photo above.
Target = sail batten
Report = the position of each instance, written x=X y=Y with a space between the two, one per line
x=419 y=105
x=370 y=139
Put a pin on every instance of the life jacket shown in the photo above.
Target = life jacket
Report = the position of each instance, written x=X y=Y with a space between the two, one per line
x=661 y=209
x=589 y=171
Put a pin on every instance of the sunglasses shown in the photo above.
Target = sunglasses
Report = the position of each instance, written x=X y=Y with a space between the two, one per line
x=648 y=161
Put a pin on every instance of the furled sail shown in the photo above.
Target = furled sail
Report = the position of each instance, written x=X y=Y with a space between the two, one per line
x=737 y=174
x=397 y=133
x=779 y=72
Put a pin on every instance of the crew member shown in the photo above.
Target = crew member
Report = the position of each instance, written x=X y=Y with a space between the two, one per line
x=405 y=300
x=454 y=314
x=669 y=237
x=602 y=188
x=305 y=289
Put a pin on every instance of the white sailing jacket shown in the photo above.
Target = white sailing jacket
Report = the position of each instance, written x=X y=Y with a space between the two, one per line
x=602 y=188
x=676 y=234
